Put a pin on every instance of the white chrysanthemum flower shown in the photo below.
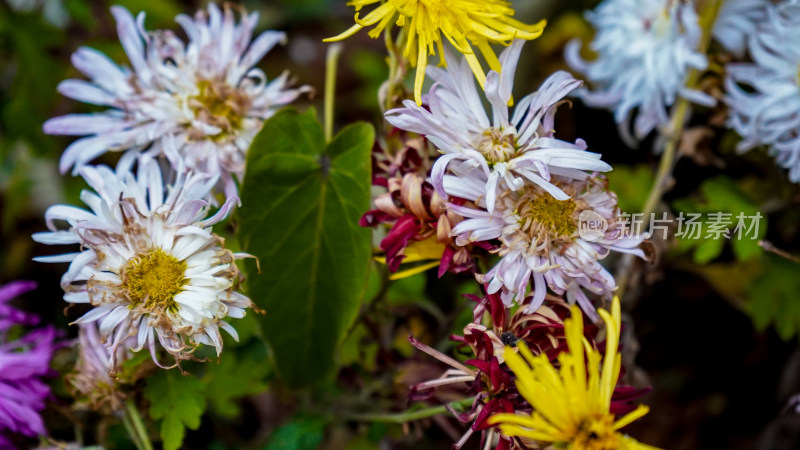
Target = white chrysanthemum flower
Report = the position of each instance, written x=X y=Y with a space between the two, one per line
x=506 y=150
x=206 y=93
x=149 y=264
x=645 y=49
x=549 y=241
x=764 y=96
x=737 y=21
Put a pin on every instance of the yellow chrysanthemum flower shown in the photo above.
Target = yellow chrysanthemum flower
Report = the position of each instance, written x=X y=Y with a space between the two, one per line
x=571 y=404
x=462 y=22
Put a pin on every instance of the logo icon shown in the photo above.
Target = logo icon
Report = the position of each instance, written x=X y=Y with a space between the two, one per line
x=591 y=226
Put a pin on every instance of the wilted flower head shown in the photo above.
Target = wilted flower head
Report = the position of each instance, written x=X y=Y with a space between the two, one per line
x=645 y=49
x=420 y=222
x=24 y=361
x=205 y=94
x=94 y=382
x=507 y=150
x=461 y=22
x=149 y=264
x=549 y=241
x=764 y=96
x=487 y=376
x=572 y=401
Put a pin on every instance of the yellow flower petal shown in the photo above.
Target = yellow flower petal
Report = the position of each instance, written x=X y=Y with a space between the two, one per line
x=571 y=404
x=482 y=22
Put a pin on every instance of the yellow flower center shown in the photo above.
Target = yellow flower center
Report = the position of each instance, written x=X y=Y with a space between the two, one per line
x=219 y=104
x=540 y=214
x=154 y=279
x=496 y=146
x=595 y=434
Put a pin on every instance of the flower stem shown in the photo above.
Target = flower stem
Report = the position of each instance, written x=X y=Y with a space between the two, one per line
x=409 y=416
x=394 y=61
x=135 y=426
x=675 y=130
x=331 y=61
x=673 y=135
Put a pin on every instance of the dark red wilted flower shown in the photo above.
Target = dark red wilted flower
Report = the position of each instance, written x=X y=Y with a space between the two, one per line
x=488 y=378
x=420 y=222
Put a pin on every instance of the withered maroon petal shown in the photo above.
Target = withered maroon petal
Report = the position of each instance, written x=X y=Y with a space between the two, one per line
x=396 y=241
x=373 y=218
x=444 y=263
x=623 y=398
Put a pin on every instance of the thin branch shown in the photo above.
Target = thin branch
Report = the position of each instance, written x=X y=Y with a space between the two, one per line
x=409 y=416
x=330 y=87
x=768 y=247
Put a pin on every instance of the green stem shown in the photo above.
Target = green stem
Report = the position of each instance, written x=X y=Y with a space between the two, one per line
x=393 y=48
x=133 y=422
x=331 y=61
x=674 y=131
x=409 y=416
x=393 y=64
x=669 y=157
x=131 y=431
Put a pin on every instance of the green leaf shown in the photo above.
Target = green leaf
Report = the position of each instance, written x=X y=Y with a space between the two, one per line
x=632 y=185
x=301 y=203
x=240 y=372
x=359 y=348
x=302 y=433
x=775 y=296
x=707 y=250
x=722 y=195
x=179 y=401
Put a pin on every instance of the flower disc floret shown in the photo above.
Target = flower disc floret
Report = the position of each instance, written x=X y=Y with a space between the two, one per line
x=154 y=278
x=541 y=213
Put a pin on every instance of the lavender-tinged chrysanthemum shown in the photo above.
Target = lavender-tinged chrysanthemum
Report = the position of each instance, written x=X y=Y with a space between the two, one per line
x=764 y=96
x=207 y=94
x=23 y=363
x=645 y=49
x=503 y=151
x=542 y=239
x=93 y=381
x=149 y=264
x=737 y=21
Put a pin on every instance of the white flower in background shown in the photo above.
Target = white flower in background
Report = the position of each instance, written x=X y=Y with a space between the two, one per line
x=548 y=241
x=737 y=21
x=207 y=94
x=503 y=151
x=53 y=11
x=645 y=49
x=764 y=96
x=149 y=264
x=784 y=17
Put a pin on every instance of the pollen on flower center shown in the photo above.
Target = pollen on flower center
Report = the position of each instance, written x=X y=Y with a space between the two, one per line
x=496 y=146
x=596 y=434
x=540 y=213
x=220 y=105
x=154 y=279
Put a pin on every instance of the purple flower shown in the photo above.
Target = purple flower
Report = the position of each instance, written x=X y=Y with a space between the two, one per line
x=23 y=363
